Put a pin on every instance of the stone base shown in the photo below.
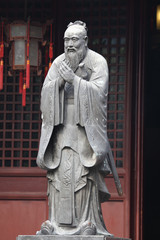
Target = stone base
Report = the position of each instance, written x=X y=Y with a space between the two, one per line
x=64 y=237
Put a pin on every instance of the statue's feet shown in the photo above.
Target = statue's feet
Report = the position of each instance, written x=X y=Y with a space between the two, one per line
x=46 y=229
x=88 y=228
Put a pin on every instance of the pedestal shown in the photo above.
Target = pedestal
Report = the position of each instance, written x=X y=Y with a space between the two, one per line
x=63 y=237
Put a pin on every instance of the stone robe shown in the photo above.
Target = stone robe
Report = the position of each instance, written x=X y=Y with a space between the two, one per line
x=74 y=146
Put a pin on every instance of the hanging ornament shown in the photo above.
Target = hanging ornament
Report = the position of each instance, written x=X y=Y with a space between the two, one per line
x=2 y=45
x=24 y=94
x=25 y=51
x=46 y=62
x=25 y=41
x=28 y=61
x=28 y=74
x=50 y=47
x=1 y=74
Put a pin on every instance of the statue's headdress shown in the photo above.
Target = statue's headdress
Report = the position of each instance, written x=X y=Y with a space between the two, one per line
x=80 y=23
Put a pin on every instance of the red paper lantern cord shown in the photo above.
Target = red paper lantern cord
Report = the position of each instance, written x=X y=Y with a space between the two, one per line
x=50 y=47
x=1 y=50
x=46 y=62
x=50 y=63
x=28 y=62
x=24 y=95
x=2 y=43
x=51 y=51
x=45 y=71
x=1 y=74
x=28 y=74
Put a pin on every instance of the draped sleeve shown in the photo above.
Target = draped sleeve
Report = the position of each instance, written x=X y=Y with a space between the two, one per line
x=91 y=109
x=51 y=111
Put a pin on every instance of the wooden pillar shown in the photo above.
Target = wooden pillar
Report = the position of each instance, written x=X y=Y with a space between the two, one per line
x=138 y=40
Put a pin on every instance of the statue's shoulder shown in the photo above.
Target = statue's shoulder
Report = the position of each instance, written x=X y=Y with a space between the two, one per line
x=95 y=58
x=55 y=65
x=59 y=59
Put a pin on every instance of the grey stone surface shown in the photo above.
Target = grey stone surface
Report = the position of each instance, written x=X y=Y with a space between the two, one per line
x=74 y=147
x=75 y=237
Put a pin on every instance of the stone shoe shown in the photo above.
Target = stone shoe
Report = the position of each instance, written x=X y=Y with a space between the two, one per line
x=88 y=228
x=46 y=229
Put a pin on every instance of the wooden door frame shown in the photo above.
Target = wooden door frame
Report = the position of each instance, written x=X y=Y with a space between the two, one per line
x=136 y=71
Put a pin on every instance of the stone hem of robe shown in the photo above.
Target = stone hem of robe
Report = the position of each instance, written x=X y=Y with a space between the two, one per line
x=87 y=208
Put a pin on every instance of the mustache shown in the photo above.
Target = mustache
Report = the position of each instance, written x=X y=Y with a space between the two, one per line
x=71 y=49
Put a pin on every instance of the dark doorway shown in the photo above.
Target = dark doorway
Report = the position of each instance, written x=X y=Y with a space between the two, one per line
x=152 y=126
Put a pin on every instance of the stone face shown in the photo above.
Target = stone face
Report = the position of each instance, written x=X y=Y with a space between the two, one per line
x=63 y=237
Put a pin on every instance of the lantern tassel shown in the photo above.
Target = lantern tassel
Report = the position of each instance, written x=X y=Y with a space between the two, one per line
x=46 y=62
x=50 y=63
x=28 y=74
x=24 y=95
x=50 y=47
x=2 y=43
x=2 y=50
x=51 y=50
x=45 y=71
x=20 y=82
x=1 y=74
x=28 y=61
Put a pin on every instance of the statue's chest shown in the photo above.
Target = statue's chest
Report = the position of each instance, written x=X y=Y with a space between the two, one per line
x=69 y=109
x=68 y=91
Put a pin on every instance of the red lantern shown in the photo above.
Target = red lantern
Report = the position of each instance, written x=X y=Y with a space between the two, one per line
x=24 y=39
x=25 y=54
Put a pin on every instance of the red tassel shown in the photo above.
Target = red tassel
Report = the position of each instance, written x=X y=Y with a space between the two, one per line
x=45 y=71
x=2 y=44
x=50 y=63
x=50 y=45
x=20 y=82
x=27 y=49
x=28 y=74
x=1 y=74
x=28 y=32
x=51 y=51
x=46 y=62
x=24 y=95
x=28 y=62
x=1 y=50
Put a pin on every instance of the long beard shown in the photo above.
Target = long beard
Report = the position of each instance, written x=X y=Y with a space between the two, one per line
x=74 y=58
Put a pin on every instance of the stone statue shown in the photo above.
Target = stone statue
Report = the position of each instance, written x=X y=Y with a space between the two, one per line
x=74 y=147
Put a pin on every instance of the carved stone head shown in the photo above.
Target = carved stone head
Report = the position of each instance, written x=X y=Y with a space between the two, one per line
x=75 y=43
